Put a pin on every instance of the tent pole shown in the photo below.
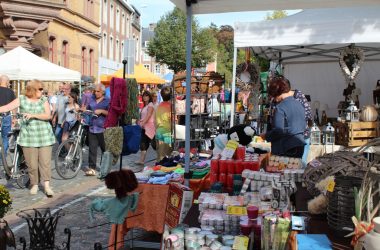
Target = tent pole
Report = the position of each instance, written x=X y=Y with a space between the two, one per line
x=188 y=89
x=232 y=119
x=18 y=88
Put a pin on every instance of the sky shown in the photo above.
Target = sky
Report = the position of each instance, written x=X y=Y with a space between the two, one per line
x=152 y=10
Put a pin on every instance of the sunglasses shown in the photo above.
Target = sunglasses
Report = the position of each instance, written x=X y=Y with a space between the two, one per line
x=41 y=89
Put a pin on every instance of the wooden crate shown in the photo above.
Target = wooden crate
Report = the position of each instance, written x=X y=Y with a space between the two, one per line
x=353 y=134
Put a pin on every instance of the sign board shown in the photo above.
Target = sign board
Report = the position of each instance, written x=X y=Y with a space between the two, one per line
x=179 y=202
x=129 y=55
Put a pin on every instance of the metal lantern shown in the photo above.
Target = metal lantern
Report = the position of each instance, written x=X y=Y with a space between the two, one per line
x=315 y=135
x=352 y=113
x=328 y=135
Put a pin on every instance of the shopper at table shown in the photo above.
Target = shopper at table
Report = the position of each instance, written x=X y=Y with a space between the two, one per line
x=288 y=125
x=163 y=124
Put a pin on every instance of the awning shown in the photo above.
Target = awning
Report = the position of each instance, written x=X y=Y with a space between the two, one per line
x=142 y=76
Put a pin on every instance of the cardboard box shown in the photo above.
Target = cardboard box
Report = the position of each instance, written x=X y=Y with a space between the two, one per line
x=179 y=202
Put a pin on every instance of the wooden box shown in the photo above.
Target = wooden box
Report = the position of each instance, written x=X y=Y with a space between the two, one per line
x=354 y=134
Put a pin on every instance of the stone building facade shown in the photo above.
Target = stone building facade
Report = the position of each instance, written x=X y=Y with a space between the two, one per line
x=65 y=32
x=119 y=21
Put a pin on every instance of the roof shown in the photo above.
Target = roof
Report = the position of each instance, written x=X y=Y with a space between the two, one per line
x=146 y=35
x=223 y=6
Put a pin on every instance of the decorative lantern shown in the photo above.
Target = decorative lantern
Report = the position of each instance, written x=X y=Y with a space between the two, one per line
x=328 y=135
x=315 y=135
x=352 y=113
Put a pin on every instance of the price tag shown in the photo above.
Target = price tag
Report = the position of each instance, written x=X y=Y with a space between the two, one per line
x=236 y=210
x=331 y=186
x=241 y=243
x=229 y=149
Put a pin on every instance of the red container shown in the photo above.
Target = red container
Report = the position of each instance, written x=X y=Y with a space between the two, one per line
x=240 y=153
x=213 y=178
x=239 y=166
x=214 y=166
x=247 y=165
x=223 y=166
x=223 y=179
x=230 y=180
x=255 y=166
x=231 y=166
x=245 y=228
x=253 y=212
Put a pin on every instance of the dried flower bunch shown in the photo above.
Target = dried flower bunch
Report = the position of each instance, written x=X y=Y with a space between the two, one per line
x=355 y=58
x=5 y=201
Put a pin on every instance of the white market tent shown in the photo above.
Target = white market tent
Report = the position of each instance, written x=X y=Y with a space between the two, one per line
x=222 y=6
x=20 y=64
x=308 y=43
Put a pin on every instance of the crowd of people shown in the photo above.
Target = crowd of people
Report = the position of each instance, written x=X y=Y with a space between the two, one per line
x=49 y=118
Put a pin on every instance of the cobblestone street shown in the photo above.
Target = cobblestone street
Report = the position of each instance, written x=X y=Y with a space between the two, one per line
x=73 y=197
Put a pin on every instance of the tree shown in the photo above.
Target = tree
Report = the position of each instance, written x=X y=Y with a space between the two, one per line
x=169 y=42
x=277 y=14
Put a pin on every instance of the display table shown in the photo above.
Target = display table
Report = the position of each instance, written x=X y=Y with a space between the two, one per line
x=150 y=213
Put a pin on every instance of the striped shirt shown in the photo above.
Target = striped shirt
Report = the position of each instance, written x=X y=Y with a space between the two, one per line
x=35 y=133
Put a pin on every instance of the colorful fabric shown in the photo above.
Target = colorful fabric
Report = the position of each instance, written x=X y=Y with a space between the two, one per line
x=116 y=210
x=34 y=132
x=299 y=96
x=163 y=125
x=118 y=102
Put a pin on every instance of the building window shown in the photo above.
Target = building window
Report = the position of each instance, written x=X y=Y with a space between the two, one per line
x=105 y=9
x=88 y=8
x=137 y=51
x=111 y=48
x=52 y=49
x=127 y=25
x=122 y=24
x=91 y=55
x=146 y=43
x=65 y=54
x=157 y=69
x=112 y=18
x=104 y=51
x=146 y=57
x=84 y=60
x=122 y=50
x=117 y=20
x=147 y=66
x=117 y=57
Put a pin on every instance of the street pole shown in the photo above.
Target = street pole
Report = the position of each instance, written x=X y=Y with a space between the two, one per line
x=189 y=42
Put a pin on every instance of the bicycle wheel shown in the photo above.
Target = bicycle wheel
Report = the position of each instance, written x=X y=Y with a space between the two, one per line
x=7 y=158
x=68 y=161
x=22 y=178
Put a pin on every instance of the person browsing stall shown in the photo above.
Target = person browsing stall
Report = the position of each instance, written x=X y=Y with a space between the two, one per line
x=99 y=104
x=288 y=125
x=36 y=134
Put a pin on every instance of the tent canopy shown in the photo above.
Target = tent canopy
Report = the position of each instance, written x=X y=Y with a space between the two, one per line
x=222 y=6
x=20 y=64
x=318 y=34
x=308 y=45
x=142 y=76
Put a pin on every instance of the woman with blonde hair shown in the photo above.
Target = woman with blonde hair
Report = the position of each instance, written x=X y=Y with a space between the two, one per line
x=36 y=134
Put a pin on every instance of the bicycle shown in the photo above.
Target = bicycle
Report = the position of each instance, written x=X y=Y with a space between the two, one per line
x=13 y=160
x=69 y=155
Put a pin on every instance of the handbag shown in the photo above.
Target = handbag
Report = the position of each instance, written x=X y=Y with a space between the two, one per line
x=180 y=107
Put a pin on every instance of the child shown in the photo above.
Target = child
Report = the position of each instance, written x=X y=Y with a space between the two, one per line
x=71 y=117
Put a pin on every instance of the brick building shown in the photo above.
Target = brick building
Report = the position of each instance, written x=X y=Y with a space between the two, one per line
x=65 y=32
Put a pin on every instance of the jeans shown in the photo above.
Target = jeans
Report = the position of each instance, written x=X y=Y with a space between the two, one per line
x=58 y=133
x=6 y=127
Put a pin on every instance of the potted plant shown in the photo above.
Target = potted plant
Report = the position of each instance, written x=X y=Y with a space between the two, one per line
x=6 y=234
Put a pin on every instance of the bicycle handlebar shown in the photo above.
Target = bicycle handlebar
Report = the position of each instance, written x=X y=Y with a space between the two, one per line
x=81 y=112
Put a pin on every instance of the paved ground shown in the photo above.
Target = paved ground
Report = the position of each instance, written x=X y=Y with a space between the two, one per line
x=73 y=197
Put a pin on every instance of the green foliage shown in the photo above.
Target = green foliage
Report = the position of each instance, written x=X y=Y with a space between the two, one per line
x=169 y=42
x=5 y=201
x=277 y=14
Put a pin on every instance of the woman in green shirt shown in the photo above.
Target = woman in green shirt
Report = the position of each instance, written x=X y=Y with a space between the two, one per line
x=36 y=134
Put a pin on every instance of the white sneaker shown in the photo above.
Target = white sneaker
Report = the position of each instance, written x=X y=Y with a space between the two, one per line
x=49 y=193
x=34 y=190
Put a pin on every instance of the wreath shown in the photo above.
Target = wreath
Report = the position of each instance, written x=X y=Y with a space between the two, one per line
x=247 y=74
x=350 y=61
